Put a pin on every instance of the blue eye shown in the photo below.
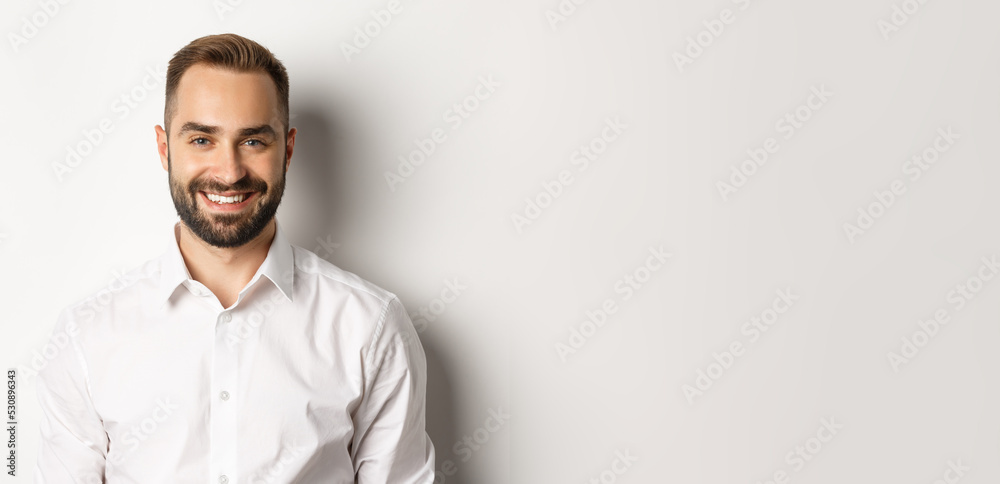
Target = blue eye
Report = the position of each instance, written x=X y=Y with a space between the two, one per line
x=196 y=141
x=259 y=142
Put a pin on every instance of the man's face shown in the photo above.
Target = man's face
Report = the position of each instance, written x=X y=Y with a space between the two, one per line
x=226 y=155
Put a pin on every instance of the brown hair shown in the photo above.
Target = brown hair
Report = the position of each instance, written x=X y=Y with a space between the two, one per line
x=227 y=51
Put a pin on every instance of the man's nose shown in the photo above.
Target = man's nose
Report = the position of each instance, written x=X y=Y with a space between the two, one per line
x=228 y=166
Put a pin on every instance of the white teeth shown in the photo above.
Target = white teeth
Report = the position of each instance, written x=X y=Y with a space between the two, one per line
x=219 y=199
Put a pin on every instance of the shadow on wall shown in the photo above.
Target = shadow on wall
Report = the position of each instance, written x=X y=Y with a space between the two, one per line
x=322 y=160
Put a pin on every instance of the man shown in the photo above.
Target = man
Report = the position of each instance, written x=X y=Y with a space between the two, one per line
x=234 y=357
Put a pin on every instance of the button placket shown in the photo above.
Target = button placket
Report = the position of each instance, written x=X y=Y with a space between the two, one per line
x=224 y=436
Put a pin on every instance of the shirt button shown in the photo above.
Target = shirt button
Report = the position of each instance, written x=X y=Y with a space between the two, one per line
x=226 y=317
x=225 y=396
x=223 y=479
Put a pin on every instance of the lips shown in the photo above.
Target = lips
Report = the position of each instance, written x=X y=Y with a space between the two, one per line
x=227 y=202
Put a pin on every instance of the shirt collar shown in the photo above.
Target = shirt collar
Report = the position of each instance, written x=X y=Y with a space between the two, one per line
x=278 y=266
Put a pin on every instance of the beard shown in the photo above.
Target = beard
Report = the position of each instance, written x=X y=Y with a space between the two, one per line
x=226 y=230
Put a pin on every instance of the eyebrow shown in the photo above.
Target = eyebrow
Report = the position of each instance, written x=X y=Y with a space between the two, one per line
x=264 y=129
x=201 y=128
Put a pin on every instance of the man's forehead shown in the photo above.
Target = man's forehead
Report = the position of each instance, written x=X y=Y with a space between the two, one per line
x=203 y=71
x=225 y=98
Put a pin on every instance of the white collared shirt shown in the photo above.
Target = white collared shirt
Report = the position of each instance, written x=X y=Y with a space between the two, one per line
x=313 y=375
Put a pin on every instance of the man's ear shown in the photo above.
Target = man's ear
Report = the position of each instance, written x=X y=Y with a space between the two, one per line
x=161 y=145
x=289 y=147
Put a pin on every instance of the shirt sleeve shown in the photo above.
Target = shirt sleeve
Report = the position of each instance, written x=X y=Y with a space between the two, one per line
x=74 y=442
x=390 y=441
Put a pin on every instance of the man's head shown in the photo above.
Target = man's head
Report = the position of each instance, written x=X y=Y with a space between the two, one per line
x=226 y=135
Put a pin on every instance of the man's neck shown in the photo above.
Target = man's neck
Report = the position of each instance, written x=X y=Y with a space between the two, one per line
x=224 y=271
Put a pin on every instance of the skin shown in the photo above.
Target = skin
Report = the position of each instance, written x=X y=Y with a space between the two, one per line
x=228 y=103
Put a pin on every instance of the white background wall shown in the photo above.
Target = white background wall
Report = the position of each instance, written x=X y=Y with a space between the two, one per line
x=67 y=235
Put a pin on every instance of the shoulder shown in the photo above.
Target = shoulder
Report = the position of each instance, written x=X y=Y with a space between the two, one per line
x=313 y=269
x=120 y=291
x=87 y=321
x=386 y=322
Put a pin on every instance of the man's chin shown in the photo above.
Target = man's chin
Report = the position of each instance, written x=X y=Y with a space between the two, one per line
x=227 y=221
x=222 y=240
x=223 y=231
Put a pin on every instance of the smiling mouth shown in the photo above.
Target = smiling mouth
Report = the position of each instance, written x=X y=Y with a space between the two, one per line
x=228 y=201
